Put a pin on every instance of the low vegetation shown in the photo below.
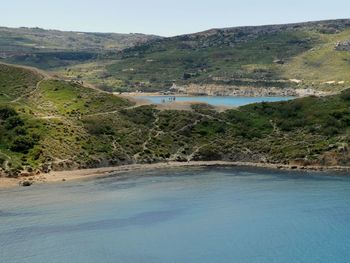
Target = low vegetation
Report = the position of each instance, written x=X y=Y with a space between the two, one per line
x=307 y=55
x=50 y=49
x=15 y=82
x=64 y=125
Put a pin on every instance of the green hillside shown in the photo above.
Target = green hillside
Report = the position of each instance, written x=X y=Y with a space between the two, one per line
x=50 y=49
x=63 y=125
x=16 y=82
x=304 y=55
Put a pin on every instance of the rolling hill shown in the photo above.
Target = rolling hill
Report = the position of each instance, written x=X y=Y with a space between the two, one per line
x=49 y=49
x=52 y=124
x=312 y=55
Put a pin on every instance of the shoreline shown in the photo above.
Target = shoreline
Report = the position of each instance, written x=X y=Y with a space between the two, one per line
x=184 y=95
x=83 y=174
x=214 y=90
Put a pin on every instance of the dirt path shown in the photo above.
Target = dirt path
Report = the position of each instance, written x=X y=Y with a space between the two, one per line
x=30 y=93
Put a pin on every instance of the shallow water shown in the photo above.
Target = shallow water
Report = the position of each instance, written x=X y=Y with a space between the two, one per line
x=182 y=215
x=215 y=100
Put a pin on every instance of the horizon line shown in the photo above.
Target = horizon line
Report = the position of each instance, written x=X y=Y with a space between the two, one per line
x=152 y=34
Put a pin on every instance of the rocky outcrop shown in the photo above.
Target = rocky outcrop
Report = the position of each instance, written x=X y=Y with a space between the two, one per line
x=343 y=46
x=224 y=90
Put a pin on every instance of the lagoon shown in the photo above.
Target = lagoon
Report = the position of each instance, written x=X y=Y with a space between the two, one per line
x=229 y=101
x=180 y=215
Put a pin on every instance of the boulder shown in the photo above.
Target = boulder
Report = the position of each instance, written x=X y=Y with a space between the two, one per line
x=278 y=61
x=26 y=183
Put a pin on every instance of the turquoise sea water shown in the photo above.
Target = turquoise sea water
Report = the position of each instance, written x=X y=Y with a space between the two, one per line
x=215 y=100
x=182 y=215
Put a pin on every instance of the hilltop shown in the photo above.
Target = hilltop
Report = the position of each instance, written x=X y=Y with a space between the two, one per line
x=52 y=124
x=313 y=55
x=310 y=57
x=50 y=49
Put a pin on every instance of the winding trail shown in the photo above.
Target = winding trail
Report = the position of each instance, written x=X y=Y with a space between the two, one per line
x=30 y=93
x=153 y=132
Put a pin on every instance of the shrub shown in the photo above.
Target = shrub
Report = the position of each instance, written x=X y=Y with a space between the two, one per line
x=20 y=130
x=23 y=143
x=331 y=131
x=345 y=95
x=2 y=160
x=6 y=112
x=95 y=127
x=13 y=122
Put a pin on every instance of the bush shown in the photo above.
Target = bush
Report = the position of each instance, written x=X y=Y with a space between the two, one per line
x=97 y=127
x=13 y=122
x=20 y=130
x=6 y=112
x=2 y=160
x=23 y=143
x=208 y=154
x=345 y=95
x=331 y=131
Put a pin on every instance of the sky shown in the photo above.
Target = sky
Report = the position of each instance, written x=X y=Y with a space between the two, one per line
x=164 y=17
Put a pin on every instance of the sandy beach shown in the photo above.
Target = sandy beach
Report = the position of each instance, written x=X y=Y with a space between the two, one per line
x=76 y=175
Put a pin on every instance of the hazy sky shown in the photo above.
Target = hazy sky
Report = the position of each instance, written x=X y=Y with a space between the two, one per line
x=164 y=17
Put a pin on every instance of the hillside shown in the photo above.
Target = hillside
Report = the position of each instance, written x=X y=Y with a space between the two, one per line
x=53 y=48
x=306 y=55
x=49 y=124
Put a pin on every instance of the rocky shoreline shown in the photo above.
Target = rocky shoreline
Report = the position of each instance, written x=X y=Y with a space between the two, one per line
x=246 y=91
x=82 y=174
x=226 y=90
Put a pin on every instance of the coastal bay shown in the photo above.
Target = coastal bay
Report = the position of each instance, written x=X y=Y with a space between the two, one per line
x=184 y=214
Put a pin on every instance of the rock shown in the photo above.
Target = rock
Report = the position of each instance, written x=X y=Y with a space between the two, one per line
x=63 y=180
x=343 y=148
x=26 y=183
x=46 y=168
x=343 y=46
x=63 y=165
x=278 y=61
